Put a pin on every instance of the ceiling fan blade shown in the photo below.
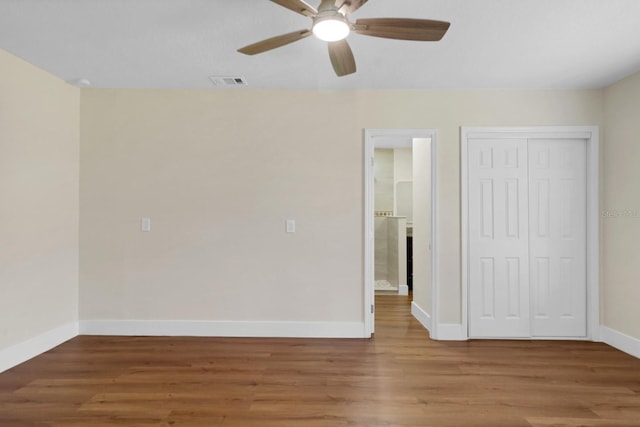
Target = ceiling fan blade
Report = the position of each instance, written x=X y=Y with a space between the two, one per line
x=349 y=6
x=342 y=58
x=297 y=6
x=402 y=28
x=274 y=42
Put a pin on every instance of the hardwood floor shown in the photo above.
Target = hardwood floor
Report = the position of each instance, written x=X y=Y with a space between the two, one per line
x=399 y=378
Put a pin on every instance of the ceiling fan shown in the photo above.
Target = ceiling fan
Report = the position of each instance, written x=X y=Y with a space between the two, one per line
x=331 y=24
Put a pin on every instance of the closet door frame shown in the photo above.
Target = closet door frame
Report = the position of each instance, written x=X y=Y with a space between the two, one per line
x=591 y=135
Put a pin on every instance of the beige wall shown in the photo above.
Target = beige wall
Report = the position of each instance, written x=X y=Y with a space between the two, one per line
x=381 y=248
x=39 y=143
x=422 y=282
x=403 y=183
x=397 y=253
x=383 y=172
x=219 y=171
x=620 y=222
x=402 y=165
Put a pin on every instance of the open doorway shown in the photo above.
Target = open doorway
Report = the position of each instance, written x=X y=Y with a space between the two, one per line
x=400 y=219
x=393 y=218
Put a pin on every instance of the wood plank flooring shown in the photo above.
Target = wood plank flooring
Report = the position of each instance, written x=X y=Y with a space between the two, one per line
x=399 y=378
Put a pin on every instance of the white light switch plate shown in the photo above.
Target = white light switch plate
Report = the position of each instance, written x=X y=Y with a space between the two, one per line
x=145 y=224
x=291 y=226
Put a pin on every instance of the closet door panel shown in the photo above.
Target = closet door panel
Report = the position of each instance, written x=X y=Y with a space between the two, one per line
x=557 y=243
x=498 y=249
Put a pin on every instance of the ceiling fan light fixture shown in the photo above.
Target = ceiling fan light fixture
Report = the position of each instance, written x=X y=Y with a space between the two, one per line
x=331 y=24
x=331 y=28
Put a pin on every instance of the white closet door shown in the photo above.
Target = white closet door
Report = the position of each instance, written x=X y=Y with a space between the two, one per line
x=557 y=240
x=498 y=234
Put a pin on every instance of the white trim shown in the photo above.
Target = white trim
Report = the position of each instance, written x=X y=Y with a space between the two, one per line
x=369 y=264
x=452 y=332
x=535 y=132
x=593 y=233
x=403 y=290
x=623 y=342
x=591 y=135
x=464 y=230
x=205 y=328
x=21 y=352
x=394 y=143
x=369 y=230
x=421 y=316
x=435 y=243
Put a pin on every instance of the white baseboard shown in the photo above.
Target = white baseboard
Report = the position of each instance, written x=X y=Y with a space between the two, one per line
x=620 y=341
x=403 y=290
x=444 y=331
x=223 y=328
x=19 y=353
x=421 y=316
x=451 y=332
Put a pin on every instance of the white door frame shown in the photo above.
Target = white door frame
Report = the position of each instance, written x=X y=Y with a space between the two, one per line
x=369 y=197
x=591 y=135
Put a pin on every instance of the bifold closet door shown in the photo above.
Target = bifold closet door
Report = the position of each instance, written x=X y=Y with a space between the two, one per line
x=527 y=238
x=498 y=251
x=557 y=238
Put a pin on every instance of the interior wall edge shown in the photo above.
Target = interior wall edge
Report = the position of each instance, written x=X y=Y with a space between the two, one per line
x=39 y=192
x=21 y=352
x=622 y=342
x=422 y=316
x=451 y=332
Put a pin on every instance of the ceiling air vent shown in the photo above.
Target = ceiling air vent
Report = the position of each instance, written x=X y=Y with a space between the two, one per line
x=228 y=81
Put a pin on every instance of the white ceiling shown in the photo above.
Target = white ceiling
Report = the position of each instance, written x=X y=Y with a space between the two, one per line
x=180 y=43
